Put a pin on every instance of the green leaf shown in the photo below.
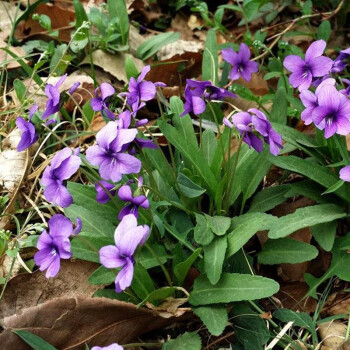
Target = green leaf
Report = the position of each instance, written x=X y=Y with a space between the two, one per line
x=202 y=232
x=245 y=227
x=150 y=47
x=286 y=251
x=305 y=217
x=117 y=9
x=80 y=14
x=130 y=68
x=232 y=287
x=214 y=256
x=324 y=234
x=218 y=224
x=102 y=276
x=269 y=198
x=271 y=75
x=321 y=174
x=181 y=269
x=324 y=30
x=20 y=89
x=33 y=340
x=188 y=341
x=209 y=145
x=210 y=58
x=339 y=267
x=142 y=284
x=159 y=294
x=188 y=188
x=147 y=260
x=300 y=319
x=279 y=107
x=213 y=316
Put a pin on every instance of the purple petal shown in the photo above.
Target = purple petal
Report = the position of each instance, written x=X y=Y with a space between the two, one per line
x=107 y=90
x=244 y=53
x=96 y=104
x=143 y=73
x=320 y=66
x=110 y=257
x=95 y=155
x=315 y=49
x=123 y=137
x=58 y=195
x=344 y=173
x=147 y=90
x=343 y=125
x=234 y=73
x=128 y=164
x=59 y=225
x=308 y=98
x=125 y=276
x=107 y=134
x=330 y=129
x=54 y=267
x=230 y=56
x=44 y=241
x=61 y=80
x=293 y=63
x=198 y=105
x=125 y=193
x=74 y=87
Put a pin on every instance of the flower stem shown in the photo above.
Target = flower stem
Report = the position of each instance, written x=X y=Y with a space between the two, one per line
x=153 y=253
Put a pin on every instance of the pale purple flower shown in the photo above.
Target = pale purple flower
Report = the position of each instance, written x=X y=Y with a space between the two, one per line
x=124 y=119
x=108 y=153
x=314 y=65
x=196 y=92
x=127 y=237
x=344 y=173
x=100 y=102
x=309 y=100
x=125 y=194
x=333 y=111
x=53 y=94
x=63 y=165
x=341 y=61
x=54 y=245
x=28 y=136
x=114 y=346
x=240 y=61
x=74 y=87
x=102 y=197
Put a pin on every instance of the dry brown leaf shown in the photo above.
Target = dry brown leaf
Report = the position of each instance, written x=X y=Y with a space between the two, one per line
x=113 y=63
x=95 y=321
x=4 y=56
x=170 y=307
x=71 y=281
x=178 y=48
x=13 y=168
x=61 y=20
x=337 y=303
x=6 y=9
x=332 y=334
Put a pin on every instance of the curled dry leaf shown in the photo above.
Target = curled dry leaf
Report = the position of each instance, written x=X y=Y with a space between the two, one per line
x=61 y=20
x=13 y=168
x=95 y=321
x=71 y=281
x=179 y=47
x=332 y=334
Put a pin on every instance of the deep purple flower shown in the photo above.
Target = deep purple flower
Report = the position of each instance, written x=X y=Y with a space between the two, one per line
x=127 y=237
x=32 y=111
x=197 y=91
x=124 y=119
x=55 y=245
x=63 y=165
x=100 y=102
x=53 y=94
x=240 y=61
x=114 y=346
x=102 y=197
x=145 y=143
x=74 y=87
x=346 y=91
x=125 y=194
x=253 y=124
x=333 y=111
x=28 y=136
x=341 y=61
x=309 y=100
x=108 y=153
x=314 y=65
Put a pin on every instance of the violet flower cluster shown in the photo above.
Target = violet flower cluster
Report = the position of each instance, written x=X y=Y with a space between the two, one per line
x=54 y=101
x=55 y=244
x=328 y=107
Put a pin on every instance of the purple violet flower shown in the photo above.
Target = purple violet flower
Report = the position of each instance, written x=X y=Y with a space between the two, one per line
x=100 y=102
x=55 y=245
x=63 y=165
x=344 y=173
x=314 y=65
x=333 y=111
x=108 y=153
x=197 y=91
x=114 y=346
x=102 y=197
x=240 y=61
x=32 y=111
x=74 y=87
x=340 y=62
x=127 y=237
x=28 y=136
x=53 y=94
x=125 y=194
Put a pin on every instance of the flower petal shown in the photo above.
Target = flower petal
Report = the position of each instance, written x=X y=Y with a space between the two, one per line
x=125 y=276
x=110 y=257
x=315 y=49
